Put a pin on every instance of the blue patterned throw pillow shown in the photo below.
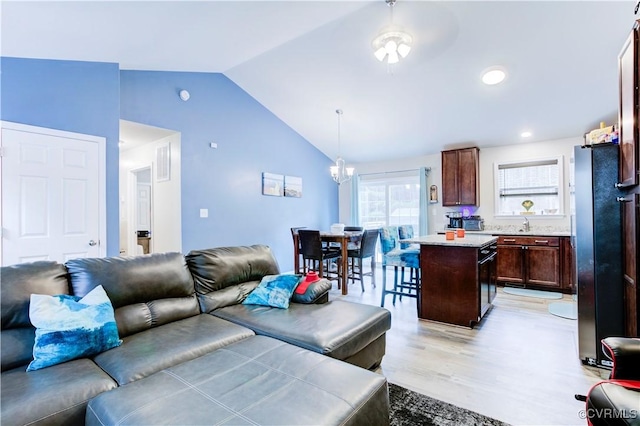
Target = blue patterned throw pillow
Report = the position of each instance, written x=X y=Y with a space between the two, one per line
x=274 y=290
x=70 y=327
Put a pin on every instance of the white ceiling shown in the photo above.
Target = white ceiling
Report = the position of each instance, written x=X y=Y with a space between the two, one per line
x=304 y=59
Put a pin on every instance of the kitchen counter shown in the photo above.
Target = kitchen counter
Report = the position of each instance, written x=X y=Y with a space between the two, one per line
x=537 y=233
x=476 y=240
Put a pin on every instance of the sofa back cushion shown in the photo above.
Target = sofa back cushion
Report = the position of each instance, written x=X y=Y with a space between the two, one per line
x=226 y=275
x=17 y=284
x=145 y=291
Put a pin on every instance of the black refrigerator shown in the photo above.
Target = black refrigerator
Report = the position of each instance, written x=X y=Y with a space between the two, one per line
x=598 y=250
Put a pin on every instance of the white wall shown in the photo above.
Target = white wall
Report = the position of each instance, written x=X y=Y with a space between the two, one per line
x=166 y=215
x=488 y=156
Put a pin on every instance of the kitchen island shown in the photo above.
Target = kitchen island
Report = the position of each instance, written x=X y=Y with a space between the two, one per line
x=458 y=277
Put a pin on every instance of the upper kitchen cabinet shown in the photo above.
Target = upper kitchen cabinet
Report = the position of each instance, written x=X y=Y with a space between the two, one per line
x=629 y=67
x=460 y=177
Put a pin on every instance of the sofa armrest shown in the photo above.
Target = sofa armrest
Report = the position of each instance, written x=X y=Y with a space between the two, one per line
x=317 y=292
x=625 y=354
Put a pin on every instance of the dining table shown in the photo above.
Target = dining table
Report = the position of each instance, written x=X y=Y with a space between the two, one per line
x=343 y=238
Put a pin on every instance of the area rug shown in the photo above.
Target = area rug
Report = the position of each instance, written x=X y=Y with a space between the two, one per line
x=568 y=310
x=412 y=408
x=532 y=293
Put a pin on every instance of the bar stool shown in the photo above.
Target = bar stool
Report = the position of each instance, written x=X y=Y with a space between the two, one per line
x=366 y=249
x=405 y=232
x=296 y=247
x=393 y=255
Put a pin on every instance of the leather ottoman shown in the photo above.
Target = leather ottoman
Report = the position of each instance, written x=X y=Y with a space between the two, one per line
x=258 y=380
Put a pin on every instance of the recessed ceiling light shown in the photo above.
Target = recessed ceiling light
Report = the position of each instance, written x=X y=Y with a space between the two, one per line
x=493 y=75
x=526 y=134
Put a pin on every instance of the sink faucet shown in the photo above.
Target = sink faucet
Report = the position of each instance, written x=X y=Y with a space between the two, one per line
x=525 y=225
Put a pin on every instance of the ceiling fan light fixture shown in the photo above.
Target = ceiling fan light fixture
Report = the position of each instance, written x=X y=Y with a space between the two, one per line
x=380 y=54
x=404 y=50
x=392 y=42
x=393 y=57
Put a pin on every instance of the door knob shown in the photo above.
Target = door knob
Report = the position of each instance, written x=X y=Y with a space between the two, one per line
x=92 y=243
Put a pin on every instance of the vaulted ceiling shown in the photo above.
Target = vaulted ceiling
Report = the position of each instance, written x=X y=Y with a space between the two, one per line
x=304 y=59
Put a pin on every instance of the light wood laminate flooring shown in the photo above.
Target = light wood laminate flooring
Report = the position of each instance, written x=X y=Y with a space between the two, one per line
x=520 y=365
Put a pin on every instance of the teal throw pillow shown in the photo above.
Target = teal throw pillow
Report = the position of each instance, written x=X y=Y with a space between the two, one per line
x=70 y=327
x=274 y=290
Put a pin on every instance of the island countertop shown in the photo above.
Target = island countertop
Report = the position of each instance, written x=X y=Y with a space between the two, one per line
x=469 y=240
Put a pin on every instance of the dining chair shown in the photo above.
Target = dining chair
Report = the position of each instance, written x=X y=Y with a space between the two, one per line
x=351 y=245
x=393 y=255
x=355 y=244
x=366 y=249
x=316 y=257
x=296 y=240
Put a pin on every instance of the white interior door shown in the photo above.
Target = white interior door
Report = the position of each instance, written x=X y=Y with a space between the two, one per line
x=144 y=207
x=52 y=195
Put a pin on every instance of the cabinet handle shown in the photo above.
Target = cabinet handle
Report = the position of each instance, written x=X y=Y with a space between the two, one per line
x=509 y=240
x=622 y=200
x=618 y=185
x=542 y=241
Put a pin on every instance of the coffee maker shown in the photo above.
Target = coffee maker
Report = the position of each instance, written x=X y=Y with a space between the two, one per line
x=455 y=220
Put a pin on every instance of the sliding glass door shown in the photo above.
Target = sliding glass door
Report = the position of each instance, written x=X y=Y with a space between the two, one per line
x=389 y=199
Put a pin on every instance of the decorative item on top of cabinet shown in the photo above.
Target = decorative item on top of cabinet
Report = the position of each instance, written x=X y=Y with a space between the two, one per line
x=629 y=69
x=460 y=177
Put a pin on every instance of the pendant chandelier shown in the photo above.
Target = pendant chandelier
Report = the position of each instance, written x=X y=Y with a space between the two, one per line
x=339 y=172
x=393 y=42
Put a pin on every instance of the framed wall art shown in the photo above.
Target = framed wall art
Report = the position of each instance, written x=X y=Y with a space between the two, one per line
x=272 y=184
x=293 y=186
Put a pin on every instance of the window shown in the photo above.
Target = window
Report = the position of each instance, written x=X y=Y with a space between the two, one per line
x=529 y=188
x=389 y=200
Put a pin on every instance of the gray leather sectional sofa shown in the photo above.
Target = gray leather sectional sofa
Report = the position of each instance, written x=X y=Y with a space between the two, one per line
x=191 y=352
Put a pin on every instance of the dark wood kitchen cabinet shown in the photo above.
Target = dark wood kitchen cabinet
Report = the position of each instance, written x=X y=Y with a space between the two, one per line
x=568 y=266
x=458 y=282
x=631 y=226
x=460 y=177
x=629 y=68
x=629 y=171
x=529 y=261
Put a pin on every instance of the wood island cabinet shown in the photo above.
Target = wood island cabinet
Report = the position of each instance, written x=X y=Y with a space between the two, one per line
x=460 y=177
x=529 y=261
x=458 y=282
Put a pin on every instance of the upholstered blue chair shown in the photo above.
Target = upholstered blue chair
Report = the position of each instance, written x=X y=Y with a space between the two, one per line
x=405 y=232
x=393 y=255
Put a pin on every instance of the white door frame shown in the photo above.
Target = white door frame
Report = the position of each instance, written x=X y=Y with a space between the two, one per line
x=102 y=172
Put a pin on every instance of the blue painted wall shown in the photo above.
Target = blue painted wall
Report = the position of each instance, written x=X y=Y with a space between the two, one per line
x=228 y=180
x=80 y=97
